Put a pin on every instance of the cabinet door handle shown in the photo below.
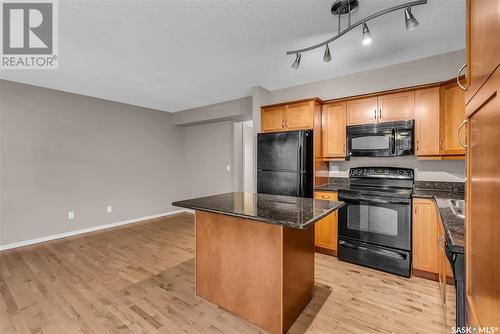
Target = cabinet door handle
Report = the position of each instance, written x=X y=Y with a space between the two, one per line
x=343 y=148
x=286 y=123
x=282 y=123
x=380 y=114
x=458 y=78
x=375 y=114
x=458 y=133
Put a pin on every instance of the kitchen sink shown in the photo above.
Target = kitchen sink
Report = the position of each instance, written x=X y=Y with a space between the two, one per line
x=458 y=207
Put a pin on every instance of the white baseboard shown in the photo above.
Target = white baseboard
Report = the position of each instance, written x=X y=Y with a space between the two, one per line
x=89 y=229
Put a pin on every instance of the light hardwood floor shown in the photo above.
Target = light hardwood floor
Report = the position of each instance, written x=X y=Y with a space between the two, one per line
x=140 y=279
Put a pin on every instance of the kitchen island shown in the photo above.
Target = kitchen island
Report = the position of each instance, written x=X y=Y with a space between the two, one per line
x=255 y=254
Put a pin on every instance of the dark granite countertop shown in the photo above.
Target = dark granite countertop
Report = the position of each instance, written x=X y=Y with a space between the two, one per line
x=295 y=212
x=334 y=184
x=453 y=225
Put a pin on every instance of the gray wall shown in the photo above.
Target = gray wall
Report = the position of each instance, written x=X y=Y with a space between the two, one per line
x=208 y=150
x=61 y=152
x=234 y=110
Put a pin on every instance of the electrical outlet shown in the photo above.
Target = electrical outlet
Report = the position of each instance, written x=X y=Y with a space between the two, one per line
x=228 y=168
x=109 y=209
x=71 y=214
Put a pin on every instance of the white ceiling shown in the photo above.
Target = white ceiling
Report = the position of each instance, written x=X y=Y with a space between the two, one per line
x=174 y=55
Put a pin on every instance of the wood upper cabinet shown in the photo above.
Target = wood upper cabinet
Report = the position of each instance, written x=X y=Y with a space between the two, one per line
x=333 y=128
x=452 y=115
x=273 y=119
x=288 y=117
x=299 y=116
x=427 y=115
x=425 y=235
x=362 y=111
x=483 y=42
x=326 y=230
x=482 y=225
x=396 y=106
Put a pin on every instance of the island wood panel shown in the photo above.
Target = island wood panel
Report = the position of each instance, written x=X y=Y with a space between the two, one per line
x=245 y=267
x=334 y=129
x=362 y=111
x=483 y=210
x=299 y=115
x=427 y=117
x=146 y=285
x=483 y=42
x=272 y=118
x=396 y=106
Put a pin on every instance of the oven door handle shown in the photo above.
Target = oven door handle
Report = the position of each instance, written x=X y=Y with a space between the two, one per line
x=375 y=200
x=382 y=252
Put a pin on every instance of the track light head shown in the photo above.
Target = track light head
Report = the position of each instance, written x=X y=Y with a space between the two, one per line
x=410 y=20
x=296 y=63
x=327 y=56
x=367 y=36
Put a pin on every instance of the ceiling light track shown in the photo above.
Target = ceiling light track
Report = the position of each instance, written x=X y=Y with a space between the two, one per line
x=342 y=7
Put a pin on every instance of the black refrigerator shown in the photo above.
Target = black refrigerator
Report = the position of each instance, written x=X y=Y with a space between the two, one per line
x=285 y=163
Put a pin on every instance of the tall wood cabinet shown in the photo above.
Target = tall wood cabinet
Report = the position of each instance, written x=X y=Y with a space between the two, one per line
x=483 y=43
x=333 y=129
x=482 y=248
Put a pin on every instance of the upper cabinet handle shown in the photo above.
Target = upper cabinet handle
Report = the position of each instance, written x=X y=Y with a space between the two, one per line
x=375 y=114
x=458 y=78
x=458 y=133
x=380 y=114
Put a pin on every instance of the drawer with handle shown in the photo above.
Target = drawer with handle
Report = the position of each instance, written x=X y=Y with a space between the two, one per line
x=326 y=195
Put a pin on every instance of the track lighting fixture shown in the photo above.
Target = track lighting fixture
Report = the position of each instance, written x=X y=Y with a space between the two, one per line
x=410 y=20
x=367 y=36
x=346 y=7
x=296 y=63
x=327 y=56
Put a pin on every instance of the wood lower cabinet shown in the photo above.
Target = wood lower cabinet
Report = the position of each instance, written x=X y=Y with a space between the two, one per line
x=482 y=247
x=396 y=106
x=362 y=111
x=425 y=235
x=326 y=230
x=452 y=105
x=427 y=115
x=429 y=259
x=333 y=129
x=289 y=117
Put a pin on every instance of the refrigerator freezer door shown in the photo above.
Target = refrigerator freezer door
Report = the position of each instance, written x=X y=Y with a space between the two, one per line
x=279 y=151
x=280 y=183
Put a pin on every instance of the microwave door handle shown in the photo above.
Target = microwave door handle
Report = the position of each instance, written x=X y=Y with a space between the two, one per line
x=394 y=141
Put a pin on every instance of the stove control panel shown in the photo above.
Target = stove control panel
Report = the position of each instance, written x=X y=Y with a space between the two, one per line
x=382 y=172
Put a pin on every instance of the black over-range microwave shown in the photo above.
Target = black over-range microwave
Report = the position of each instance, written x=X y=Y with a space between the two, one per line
x=387 y=139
